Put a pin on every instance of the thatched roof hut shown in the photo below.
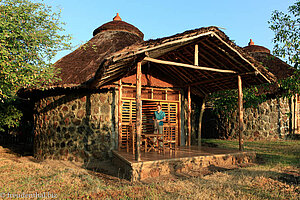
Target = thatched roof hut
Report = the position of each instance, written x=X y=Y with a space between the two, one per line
x=273 y=64
x=104 y=82
x=81 y=65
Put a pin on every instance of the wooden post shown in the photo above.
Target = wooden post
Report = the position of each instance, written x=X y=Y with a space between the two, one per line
x=120 y=115
x=189 y=117
x=200 y=120
x=138 y=111
x=179 y=121
x=196 y=60
x=295 y=129
x=297 y=124
x=240 y=109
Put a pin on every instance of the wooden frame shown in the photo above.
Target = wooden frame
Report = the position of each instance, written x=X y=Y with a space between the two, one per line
x=297 y=114
x=165 y=62
x=119 y=114
x=127 y=107
x=189 y=117
x=138 y=111
x=241 y=113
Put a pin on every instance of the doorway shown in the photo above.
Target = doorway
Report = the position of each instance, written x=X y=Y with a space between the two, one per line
x=168 y=98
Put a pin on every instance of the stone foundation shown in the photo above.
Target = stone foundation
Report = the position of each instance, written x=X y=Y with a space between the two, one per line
x=75 y=126
x=136 y=171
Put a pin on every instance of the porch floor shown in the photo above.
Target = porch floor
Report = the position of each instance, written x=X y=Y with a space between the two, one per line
x=184 y=159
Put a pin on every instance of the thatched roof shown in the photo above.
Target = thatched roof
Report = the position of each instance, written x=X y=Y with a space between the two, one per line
x=119 y=26
x=216 y=50
x=273 y=64
x=81 y=65
x=280 y=69
x=117 y=46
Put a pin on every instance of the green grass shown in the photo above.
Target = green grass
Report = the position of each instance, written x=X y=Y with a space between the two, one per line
x=268 y=152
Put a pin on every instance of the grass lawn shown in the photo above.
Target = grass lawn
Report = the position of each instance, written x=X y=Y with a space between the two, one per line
x=276 y=176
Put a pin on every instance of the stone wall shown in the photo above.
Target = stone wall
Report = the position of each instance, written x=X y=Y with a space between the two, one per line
x=76 y=126
x=269 y=121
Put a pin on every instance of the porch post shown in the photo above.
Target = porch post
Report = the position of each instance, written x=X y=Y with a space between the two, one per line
x=200 y=119
x=120 y=114
x=189 y=117
x=196 y=62
x=138 y=111
x=296 y=114
x=241 y=116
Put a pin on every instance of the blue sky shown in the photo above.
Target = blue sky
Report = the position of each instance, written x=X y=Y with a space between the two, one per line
x=239 y=19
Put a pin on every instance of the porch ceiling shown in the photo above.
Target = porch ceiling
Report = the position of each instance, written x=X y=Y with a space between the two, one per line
x=212 y=54
x=215 y=51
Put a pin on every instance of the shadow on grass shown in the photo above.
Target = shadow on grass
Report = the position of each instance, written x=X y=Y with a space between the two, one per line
x=18 y=149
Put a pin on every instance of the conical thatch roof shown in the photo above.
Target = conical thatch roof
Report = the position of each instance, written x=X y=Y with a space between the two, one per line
x=273 y=64
x=81 y=65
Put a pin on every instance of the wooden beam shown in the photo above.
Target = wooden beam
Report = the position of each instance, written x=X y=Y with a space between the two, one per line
x=166 y=44
x=196 y=60
x=189 y=117
x=199 y=91
x=214 y=34
x=215 y=56
x=220 y=79
x=183 y=58
x=241 y=113
x=200 y=119
x=138 y=111
x=296 y=115
x=164 y=62
x=214 y=47
x=198 y=73
x=168 y=73
x=177 y=71
x=120 y=115
x=188 y=51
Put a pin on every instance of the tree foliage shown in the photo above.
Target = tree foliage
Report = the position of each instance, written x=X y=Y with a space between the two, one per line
x=29 y=39
x=225 y=102
x=286 y=27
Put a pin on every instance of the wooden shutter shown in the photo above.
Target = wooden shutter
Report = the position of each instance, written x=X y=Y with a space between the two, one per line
x=171 y=125
x=128 y=118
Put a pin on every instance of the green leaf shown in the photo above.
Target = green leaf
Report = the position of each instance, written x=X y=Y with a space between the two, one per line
x=30 y=36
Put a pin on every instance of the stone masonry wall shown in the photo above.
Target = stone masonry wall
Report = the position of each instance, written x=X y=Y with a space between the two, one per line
x=269 y=121
x=79 y=127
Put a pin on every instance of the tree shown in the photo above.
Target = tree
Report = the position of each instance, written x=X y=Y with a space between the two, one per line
x=29 y=39
x=287 y=33
x=287 y=43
